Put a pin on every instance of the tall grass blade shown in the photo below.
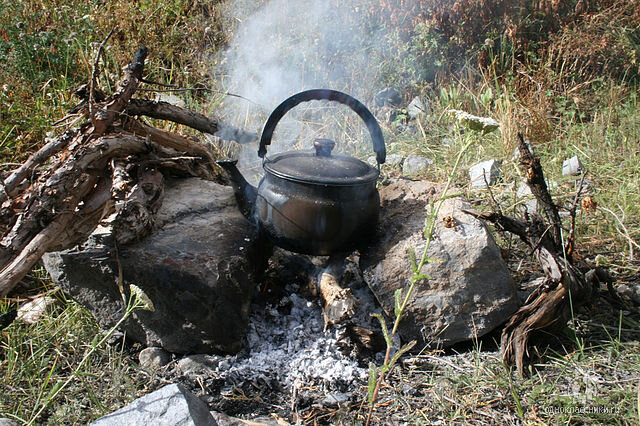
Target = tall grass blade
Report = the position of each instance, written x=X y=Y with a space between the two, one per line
x=371 y=385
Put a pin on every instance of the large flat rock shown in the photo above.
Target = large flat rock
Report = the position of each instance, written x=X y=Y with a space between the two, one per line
x=197 y=267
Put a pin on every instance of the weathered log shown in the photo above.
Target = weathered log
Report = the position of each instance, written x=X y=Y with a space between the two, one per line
x=33 y=250
x=179 y=143
x=46 y=199
x=57 y=197
x=97 y=206
x=52 y=147
x=134 y=217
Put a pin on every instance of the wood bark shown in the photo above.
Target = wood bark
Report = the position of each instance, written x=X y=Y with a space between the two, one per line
x=167 y=111
x=110 y=163
x=338 y=303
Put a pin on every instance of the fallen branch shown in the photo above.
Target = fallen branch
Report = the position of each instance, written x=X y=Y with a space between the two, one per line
x=167 y=111
x=43 y=154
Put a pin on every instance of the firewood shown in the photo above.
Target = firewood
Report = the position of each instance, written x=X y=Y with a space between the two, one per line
x=338 y=303
x=62 y=192
x=134 y=217
x=166 y=111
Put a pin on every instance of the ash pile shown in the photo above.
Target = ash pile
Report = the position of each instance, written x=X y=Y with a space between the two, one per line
x=294 y=362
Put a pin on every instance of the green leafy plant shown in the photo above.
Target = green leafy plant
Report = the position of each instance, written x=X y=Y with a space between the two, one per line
x=403 y=296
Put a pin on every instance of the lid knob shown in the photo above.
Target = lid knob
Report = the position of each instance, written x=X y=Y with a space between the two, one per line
x=323 y=147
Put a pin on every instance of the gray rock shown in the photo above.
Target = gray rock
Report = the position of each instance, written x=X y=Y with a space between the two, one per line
x=388 y=97
x=526 y=197
x=152 y=359
x=414 y=165
x=196 y=267
x=571 y=166
x=516 y=151
x=7 y=422
x=416 y=108
x=392 y=160
x=193 y=365
x=491 y=171
x=625 y=291
x=170 y=405
x=336 y=399
x=34 y=310
x=470 y=292
x=224 y=420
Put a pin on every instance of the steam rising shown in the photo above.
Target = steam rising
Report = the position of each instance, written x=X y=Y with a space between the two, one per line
x=286 y=46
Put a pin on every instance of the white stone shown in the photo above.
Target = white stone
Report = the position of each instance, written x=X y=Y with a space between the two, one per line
x=490 y=169
x=152 y=359
x=415 y=164
x=32 y=311
x=526 y=197
x=571 y=166
x=416 y=108
x=168 y=406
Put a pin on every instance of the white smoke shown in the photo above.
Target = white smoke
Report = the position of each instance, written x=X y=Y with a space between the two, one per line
x=286 y=46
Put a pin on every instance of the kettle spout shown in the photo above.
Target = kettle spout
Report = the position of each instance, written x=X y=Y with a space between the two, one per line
x=244 y=192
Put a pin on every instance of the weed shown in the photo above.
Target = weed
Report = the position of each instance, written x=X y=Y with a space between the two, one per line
x=403 y=296
x=39 y=361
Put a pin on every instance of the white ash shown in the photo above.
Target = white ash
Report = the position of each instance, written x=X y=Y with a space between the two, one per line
x=292 y=348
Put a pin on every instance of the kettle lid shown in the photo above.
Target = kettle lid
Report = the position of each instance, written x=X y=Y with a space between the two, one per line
x=320 y=167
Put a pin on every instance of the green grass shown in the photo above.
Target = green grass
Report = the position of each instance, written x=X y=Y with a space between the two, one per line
x=48 y=48
x=35 y=359
x=599 y=386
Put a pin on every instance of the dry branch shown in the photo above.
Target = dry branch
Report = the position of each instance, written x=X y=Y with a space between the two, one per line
x=568 y=280
x=118 y=101
x=135 y=216
x=167 y=111
x=43 y=154
x=113 y=163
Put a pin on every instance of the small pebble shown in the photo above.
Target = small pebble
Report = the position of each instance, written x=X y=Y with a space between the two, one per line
x=491 y=171
x=415 y=164
x=152 y=359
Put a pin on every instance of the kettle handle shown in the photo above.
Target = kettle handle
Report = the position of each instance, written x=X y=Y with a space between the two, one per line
x=330 y=95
